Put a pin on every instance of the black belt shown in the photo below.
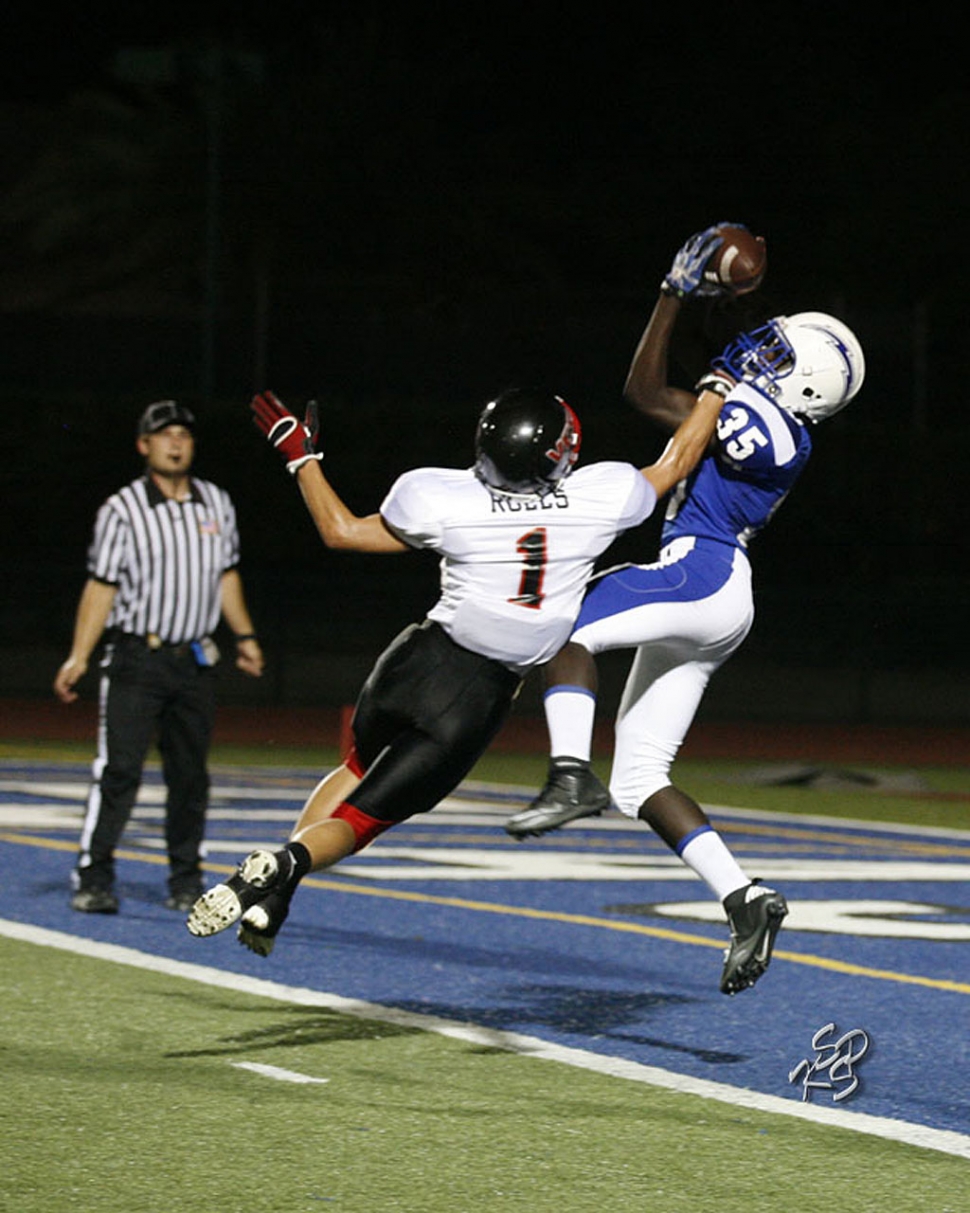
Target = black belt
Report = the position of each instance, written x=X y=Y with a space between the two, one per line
x=153 y=642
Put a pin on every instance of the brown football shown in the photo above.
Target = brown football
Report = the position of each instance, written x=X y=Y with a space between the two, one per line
x=740 y=262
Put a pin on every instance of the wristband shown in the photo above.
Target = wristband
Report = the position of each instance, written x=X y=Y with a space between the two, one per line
x=294 y=465
x=247 y=636
x=714 y=382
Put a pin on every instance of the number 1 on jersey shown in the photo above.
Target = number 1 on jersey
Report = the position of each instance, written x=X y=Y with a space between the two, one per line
x=532 y=548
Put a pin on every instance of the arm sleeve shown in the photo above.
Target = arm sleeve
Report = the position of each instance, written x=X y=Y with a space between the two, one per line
x=230 y=532
x=641 y=501
x=409 y=513
x=109 y=545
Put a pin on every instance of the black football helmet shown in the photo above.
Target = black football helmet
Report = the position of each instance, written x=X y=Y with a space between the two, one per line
x=527 y=442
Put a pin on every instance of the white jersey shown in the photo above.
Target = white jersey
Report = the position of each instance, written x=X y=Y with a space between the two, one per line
x=514 y=567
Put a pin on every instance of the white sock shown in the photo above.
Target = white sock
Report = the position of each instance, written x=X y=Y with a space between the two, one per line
x=569 y=718
x=705 y=852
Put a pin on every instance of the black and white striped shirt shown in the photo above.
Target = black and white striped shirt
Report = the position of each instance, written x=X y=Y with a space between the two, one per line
x=166 y=557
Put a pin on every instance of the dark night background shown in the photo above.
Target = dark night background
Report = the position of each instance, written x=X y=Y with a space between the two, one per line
x=399 y=211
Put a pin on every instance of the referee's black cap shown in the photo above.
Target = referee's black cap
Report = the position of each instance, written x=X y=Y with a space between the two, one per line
x=162 y=413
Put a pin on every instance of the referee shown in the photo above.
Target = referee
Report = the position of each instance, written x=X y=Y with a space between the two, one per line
x=162 y=567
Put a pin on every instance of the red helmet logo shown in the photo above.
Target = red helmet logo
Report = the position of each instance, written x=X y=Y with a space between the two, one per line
x=569 y=440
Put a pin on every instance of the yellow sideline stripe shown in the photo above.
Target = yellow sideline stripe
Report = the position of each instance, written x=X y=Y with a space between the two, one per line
x=582 y=920
x=634 y=928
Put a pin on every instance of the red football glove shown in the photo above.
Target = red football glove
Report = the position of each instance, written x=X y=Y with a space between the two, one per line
x=295 y=440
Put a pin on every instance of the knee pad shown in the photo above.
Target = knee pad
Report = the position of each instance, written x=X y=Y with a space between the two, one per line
x=365 y=827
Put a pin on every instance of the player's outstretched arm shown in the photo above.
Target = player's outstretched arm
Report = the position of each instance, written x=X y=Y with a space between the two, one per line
x=338 y=526
x=646 y=386
x=688 y=444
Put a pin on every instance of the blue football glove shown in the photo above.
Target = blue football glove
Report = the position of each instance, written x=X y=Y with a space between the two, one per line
x=685 y=278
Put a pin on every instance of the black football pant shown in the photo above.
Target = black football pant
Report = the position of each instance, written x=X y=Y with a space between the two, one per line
x=427 y=712
x=147 y=695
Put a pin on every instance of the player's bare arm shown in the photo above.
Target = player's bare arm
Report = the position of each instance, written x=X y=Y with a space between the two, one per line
x=646 y=386
x=338 y=526
x=687 y=446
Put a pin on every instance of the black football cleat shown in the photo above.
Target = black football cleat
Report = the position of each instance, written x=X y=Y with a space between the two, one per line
x=755 y=914
x=260 y=924
x=571 y=791
x=226 y=903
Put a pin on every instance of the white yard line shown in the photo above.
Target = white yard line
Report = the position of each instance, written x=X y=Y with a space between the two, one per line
x=276 y=1073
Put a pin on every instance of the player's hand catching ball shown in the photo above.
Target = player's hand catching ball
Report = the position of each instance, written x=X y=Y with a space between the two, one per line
x=295 y=440
x=686 y=275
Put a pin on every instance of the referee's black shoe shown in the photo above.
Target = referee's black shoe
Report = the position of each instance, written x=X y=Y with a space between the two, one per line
x=571 y=791
x=95 y=900
x=755 y=914
x=184 y=898
x=226 y=903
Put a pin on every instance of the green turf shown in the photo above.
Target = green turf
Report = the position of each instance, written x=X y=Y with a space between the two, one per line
x=943 y=800
x=120 y=1096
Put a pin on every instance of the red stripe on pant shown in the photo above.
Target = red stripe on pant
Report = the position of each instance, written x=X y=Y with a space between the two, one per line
x=353 y=764
x=365 y=827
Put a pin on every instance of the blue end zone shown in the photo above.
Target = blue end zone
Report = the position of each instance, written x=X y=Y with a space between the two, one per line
x=596 y=938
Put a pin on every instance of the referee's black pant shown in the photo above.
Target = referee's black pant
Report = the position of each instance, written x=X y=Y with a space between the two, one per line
x=148 y=695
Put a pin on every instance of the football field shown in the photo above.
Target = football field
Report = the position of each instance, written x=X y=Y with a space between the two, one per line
x=455 y=1021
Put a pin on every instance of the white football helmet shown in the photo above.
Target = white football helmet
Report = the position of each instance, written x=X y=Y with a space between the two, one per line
x=809 y=364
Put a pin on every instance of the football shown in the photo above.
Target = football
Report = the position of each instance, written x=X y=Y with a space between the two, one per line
x=740 y=262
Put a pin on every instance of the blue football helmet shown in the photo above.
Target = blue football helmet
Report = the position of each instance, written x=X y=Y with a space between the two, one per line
x=809 y=364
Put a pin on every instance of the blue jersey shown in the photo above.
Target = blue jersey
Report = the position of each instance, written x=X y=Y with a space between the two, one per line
x=759 y=452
